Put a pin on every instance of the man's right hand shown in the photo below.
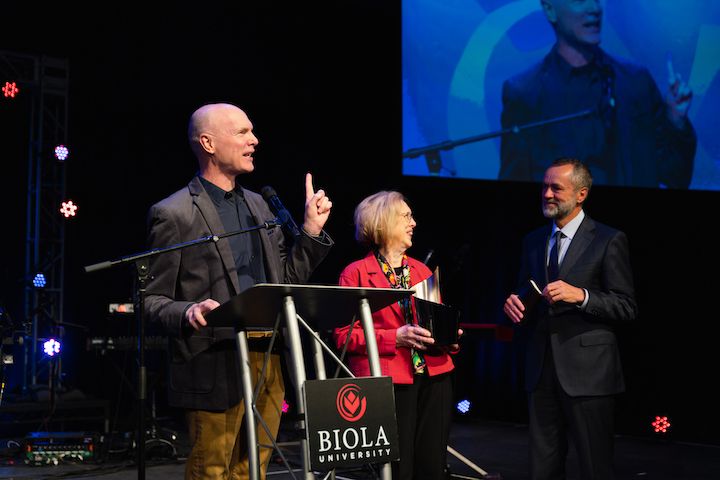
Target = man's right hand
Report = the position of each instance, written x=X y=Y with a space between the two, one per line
x=195 y=314
x=513 y=308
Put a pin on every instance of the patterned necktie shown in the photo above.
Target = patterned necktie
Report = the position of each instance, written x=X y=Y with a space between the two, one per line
x=553 y=268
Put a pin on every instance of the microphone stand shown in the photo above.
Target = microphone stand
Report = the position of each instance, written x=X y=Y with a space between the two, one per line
x=142 y=272
x=432 y=152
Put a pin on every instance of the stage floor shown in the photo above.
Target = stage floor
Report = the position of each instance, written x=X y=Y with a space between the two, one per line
x=500 y=449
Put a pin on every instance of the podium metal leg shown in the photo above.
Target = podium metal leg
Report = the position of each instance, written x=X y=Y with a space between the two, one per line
x=247 y=389
x=298 y=365
x=318 y=358
x=369 y=329
x=374 y=359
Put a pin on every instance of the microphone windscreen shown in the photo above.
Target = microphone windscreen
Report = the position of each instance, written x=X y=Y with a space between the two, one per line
x=268 y=192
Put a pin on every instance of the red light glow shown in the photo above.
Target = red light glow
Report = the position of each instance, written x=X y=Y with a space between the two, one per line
x=661 y=424
x=68 y=209
x=10 y=89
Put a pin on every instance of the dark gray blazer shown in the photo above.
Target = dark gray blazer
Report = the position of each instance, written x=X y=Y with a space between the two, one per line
x=203 y=365
x=583 y=342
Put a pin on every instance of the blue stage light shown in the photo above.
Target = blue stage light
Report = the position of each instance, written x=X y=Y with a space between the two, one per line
x=463 y=406
x=39 y=281
x=51 y=347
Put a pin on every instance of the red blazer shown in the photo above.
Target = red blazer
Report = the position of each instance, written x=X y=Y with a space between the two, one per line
x=394 y=361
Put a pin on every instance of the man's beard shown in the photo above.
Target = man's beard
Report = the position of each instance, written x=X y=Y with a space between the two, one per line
x=557 y=210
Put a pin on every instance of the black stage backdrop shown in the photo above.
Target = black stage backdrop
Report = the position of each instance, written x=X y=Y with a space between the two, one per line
x=322 y=87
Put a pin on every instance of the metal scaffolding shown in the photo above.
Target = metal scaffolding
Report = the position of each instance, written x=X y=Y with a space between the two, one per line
x=44 y=80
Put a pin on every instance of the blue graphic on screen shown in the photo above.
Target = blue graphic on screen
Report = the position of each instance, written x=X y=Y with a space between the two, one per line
x=457 y=54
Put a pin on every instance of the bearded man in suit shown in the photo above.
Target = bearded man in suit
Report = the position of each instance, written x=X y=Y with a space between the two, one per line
x=573 y=369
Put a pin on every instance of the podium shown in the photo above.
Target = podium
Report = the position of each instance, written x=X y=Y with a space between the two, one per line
x=263 y=306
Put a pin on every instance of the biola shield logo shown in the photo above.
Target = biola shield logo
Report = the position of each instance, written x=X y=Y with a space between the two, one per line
x=351 y=402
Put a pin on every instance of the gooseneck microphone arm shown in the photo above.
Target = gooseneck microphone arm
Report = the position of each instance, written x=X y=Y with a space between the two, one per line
x=156 y=251
x=432 y=152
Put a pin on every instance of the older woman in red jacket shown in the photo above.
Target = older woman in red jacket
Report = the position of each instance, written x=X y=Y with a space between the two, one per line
x=421 y=373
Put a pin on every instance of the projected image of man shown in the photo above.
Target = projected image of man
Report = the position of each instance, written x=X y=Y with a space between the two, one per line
x=631 y=136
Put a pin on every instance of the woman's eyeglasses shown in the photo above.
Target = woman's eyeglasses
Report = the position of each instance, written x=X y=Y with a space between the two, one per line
x=408 y=216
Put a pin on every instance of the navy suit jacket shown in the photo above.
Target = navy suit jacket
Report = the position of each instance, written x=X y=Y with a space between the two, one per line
x=204 y=364
x=583 y=341
x=650 y=151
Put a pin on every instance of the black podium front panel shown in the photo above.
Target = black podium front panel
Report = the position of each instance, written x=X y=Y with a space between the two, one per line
x=350 y=422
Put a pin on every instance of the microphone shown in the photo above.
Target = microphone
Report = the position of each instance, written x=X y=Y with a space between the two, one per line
x=428 y=256
x=608 y=83
x=286 y=220
x=608 y=103
x=607 y=72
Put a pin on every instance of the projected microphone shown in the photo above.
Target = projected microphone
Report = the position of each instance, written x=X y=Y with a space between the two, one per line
x=607 y=107
x=608 y=85
x=286 y=220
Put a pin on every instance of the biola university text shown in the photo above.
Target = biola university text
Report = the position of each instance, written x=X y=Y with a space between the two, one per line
x=351 y=443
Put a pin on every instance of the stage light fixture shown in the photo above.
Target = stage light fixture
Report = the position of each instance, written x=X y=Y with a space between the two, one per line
x=39 y=281
x=10 y=90
x=61 y=152
x=661 y=424
x=51 y=347
x=68 y=209
x=463 y=406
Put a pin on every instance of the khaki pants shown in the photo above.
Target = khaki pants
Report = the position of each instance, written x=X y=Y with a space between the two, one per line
x=219 y=441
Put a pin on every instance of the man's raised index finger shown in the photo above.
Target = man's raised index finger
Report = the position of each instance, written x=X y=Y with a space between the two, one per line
x=309 y=190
